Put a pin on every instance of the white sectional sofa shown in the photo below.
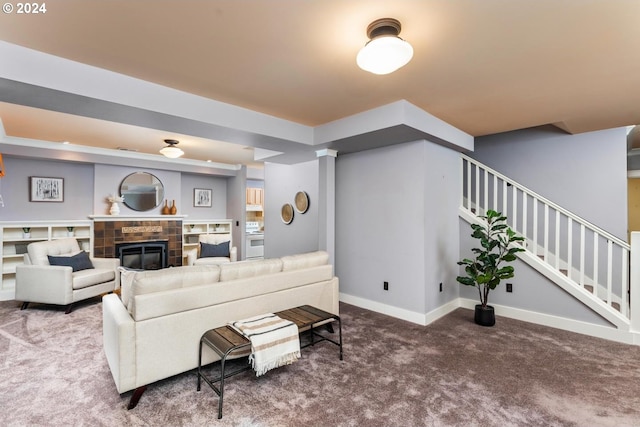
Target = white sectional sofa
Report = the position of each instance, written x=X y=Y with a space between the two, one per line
x=152 y=330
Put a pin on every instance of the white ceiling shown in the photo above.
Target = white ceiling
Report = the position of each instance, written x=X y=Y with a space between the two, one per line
x=483 y=66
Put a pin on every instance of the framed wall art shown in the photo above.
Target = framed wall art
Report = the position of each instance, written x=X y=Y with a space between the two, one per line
x=202 y=197
x=43 y=189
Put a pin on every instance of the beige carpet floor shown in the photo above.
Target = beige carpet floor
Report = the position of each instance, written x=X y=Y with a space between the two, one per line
x=53 y=372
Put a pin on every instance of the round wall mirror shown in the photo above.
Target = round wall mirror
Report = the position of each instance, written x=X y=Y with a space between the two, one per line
x=142 y=191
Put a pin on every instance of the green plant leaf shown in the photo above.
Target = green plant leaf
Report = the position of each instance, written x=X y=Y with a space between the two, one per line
x=466 y=281
x=497 y=246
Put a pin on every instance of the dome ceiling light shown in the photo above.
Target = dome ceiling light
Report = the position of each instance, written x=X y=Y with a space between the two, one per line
x=171 y=151
x=385 y=52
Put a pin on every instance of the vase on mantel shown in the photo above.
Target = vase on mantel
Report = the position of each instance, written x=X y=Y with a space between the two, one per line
x=115 y=208
x=165 y=209
x=114 y=200
x=173 y=209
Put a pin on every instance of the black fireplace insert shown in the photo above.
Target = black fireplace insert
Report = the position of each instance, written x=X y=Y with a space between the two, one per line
x=150 y=255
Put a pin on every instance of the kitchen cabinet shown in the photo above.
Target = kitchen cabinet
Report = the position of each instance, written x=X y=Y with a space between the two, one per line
x=255 y=198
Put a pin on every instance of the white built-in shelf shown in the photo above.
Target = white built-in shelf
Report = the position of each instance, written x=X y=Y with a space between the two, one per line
x=14 y=244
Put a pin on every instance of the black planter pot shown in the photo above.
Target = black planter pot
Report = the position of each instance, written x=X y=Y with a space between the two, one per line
x=485 y=316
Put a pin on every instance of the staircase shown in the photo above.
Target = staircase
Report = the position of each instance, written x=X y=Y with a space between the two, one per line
x=584 y=260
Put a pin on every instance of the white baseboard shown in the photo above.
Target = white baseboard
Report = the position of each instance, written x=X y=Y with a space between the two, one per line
x=7 y=294
x=577 y=326
x=571 y=325
x=400 y=313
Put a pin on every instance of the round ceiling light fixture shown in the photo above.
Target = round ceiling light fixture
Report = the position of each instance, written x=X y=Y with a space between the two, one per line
x=385 y=52
x=171 y=151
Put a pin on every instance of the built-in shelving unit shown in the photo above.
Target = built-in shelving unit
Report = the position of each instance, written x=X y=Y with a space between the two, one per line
x=193 y=228
x=14 y=238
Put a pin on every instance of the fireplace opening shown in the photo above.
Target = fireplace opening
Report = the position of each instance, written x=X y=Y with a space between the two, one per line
x=143 y=255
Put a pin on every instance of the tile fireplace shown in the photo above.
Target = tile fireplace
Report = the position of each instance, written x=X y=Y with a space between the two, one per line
x=110 y=231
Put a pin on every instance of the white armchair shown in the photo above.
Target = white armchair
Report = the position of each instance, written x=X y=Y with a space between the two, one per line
x=195 y=257
x=40 y=281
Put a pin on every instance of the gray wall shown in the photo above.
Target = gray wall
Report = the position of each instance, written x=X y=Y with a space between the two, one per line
x=109 y=177
x=441 y=200
x=584 y=173
x=397 y=221
x=236 y=209
x=87 y=186
x=14 y=187
x=218 y=209
x=282 y=182
x=253 y=183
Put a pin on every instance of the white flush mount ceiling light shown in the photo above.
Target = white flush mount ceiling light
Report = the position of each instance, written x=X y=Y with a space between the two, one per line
x=385 y=52
x=171 y=151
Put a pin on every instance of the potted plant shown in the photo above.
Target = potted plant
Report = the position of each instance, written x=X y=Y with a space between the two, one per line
x=498 y=246
x=26 y=232
x=70 y=231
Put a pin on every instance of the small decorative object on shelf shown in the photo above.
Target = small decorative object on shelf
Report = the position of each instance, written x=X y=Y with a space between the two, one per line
x=70 y=231
x=115 y=208
x=165 y=209
x=26 y=232
x=173 y=209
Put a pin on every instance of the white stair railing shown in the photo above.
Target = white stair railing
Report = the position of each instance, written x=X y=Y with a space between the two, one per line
x=590 y=258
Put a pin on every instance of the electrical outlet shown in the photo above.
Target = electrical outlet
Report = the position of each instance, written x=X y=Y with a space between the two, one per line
x=509 y=287
x=440 y=286
x=385 y=286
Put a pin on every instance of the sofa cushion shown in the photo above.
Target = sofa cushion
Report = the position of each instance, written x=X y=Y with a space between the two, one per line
x=150 y=281
x=126 y=281
x=208 y=250
x=90 y=277
x=38 y=251
x=245 y=269
x=219 y=294
x=299 y=261
x=77 y=262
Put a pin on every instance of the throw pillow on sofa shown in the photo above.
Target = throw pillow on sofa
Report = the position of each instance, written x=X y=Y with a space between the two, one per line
x=77 y=262
x=209 y=250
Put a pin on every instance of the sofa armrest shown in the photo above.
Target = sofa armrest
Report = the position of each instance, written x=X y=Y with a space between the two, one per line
x=192 y=255
x=233 y=254
x=108 y=264
x=49 y=284
x=119 y=342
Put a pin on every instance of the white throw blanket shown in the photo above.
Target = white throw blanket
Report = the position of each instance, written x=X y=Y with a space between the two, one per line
x=274 y=341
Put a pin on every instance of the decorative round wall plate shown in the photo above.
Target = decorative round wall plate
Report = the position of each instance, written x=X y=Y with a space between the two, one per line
x=286 y=213
x=302 y=202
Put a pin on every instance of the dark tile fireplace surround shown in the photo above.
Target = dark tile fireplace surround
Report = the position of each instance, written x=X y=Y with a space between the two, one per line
x=107 y=234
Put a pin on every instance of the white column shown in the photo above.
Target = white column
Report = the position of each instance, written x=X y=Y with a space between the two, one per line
x=327 y=202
